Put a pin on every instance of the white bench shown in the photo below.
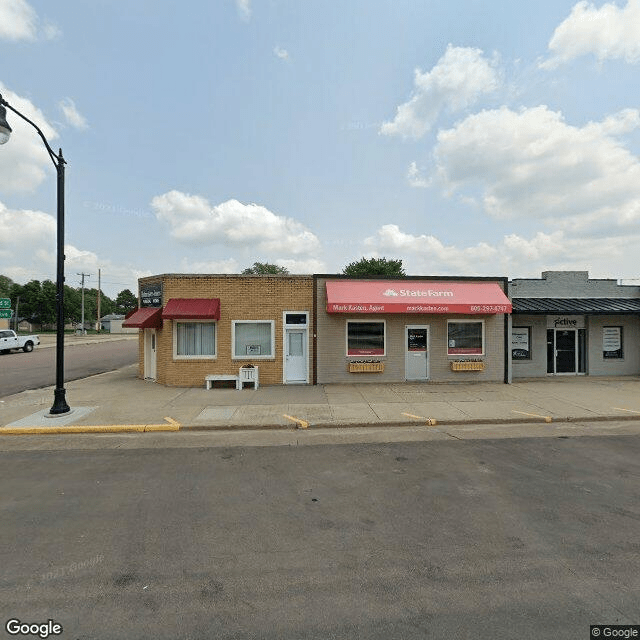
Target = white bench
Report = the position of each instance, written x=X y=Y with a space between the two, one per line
x=213 y=377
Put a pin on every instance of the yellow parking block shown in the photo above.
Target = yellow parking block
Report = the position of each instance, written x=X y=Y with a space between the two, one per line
x=301 y=424
x=534 y=415
x=430 y=421
x=629 y=410
x=102 y=428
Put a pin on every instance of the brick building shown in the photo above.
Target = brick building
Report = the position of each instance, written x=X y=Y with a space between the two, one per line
x=321 y=328
x=194 y=326
x=566 y=323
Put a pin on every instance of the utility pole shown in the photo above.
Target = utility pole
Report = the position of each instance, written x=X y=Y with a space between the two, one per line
x=17 y=305
x=83 y=277
x=99 y=325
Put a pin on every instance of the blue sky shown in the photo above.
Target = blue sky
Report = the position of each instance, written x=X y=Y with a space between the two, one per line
x=466 y=137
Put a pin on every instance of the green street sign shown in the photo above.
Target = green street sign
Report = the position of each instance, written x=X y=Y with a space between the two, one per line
x=5 y=303
x=5 y=313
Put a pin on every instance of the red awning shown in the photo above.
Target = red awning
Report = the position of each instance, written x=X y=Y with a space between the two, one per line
x=415 y=296
x=192 y=309
x=145 y=318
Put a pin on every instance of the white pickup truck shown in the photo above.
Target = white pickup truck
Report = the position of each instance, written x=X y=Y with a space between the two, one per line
x=10 y=340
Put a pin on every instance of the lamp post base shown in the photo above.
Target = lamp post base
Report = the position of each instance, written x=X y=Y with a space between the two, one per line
x=59 y=402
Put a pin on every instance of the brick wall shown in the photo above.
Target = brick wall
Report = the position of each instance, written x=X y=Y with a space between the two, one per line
x=241 y=298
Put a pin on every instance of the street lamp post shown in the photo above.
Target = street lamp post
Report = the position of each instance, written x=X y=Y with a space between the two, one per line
x=59 y=401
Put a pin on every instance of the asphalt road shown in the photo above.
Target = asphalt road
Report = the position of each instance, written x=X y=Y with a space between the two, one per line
x=498 y=539
x=20 y=371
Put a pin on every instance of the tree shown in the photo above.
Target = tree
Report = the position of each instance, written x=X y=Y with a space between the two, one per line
x=72 y=304
x=48 y=302
x=265 y=269
x=6 y=284
x=125 y=302
x=374 y=267
x=107 y=305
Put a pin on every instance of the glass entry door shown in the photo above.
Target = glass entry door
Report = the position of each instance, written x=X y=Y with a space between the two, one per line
x=416 y=352
x=566 y=351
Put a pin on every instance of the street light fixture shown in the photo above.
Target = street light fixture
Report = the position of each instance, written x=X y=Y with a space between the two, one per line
x=59 y=401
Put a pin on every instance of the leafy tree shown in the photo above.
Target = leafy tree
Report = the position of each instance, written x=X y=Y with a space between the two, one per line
x=47 y=314
x=125 y=302
x=72 y=304
x=374 y=267
x=107 y=305
x=265 y=269
x=6 y=284
x=30 y=300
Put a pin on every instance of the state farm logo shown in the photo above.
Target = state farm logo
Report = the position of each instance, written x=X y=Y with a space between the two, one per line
x=417 y=293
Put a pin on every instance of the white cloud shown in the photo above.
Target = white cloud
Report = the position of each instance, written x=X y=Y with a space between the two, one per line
x=28 y=246
x=416 y=177
x=511 y=256
x=244 y=8
x=608 y=32
x=281 y=53
x=229 y=265
x=194 y=221
x=25 y=228
x=390 y=238
x=72 y=115
x=51 y=31
x=18 y=20
x=457 y=80
x=531 y=164
x=24 y=158
x=310 y=265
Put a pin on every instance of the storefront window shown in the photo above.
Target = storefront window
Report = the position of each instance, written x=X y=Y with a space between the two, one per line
x=195 y=340
x=365 y=338
x=465 y=338
x=612 y=342
x=521 y=343
x=253 y=339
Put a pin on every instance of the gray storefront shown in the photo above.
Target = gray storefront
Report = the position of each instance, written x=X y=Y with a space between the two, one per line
x=415 y=329
x=566 y=323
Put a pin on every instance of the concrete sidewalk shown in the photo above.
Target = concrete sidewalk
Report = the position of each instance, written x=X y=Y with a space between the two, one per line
x=120 y=399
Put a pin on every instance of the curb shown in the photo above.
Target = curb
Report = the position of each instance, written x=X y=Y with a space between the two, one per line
x=174 y=426
x=109 y=428
x=72 y=343
x=409 y=423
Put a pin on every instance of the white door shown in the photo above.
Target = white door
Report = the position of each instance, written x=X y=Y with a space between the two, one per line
x=150 y=354
x=416 y=342
x=295 y=363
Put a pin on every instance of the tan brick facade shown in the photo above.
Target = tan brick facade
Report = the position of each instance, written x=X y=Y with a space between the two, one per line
x=241 y=298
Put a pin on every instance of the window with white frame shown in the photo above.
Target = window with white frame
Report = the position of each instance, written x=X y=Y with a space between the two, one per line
x=365 y=338
x=465 y=337
x=253 y=339
x=194 y=340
